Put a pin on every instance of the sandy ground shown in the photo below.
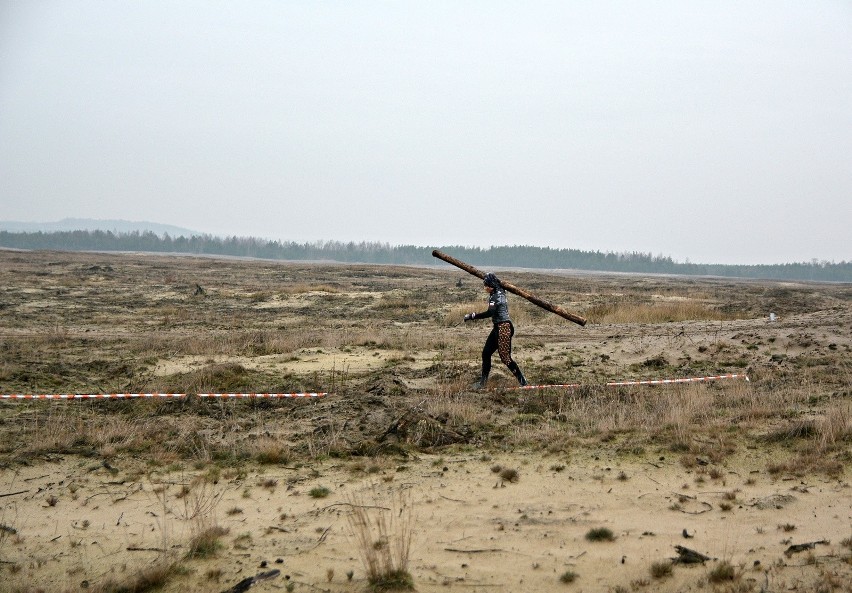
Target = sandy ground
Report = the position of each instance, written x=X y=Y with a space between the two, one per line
x=76 y=521
x=70 y=523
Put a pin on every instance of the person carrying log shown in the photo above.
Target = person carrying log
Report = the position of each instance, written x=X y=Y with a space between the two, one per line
x=500 y=338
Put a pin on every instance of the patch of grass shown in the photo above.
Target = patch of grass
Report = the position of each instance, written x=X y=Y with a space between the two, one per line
x=319 y=492
x=568 y=577
x=152 y=578
x=600 y=534
x=661 y=569
x=724 y=571
x=396 y=580
x=206 y=543
x=270 y=452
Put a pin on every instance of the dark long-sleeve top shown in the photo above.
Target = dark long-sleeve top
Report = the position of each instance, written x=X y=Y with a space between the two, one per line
x=498 y=307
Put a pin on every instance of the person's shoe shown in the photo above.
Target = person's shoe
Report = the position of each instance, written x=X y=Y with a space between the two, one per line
x=521 y=379
x=481 y=383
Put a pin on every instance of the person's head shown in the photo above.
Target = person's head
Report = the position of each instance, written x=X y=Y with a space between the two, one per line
x=491 y=282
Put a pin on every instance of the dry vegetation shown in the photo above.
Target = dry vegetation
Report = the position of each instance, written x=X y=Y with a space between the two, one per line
x=389 y=344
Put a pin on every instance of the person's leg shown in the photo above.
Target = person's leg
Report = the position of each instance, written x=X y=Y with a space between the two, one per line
x=504 y=347
x=491 y=344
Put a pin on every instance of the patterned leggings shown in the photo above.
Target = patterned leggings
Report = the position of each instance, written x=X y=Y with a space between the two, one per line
x=499 y=340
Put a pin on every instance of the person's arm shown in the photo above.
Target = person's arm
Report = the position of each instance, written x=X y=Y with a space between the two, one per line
x=492 y=306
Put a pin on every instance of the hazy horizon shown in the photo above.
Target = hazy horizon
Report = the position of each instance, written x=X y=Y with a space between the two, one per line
x=129 y=226
x=715 y=133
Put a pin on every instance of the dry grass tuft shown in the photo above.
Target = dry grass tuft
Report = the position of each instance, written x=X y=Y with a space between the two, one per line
x=658 y=312
x=152 y=578
x=383 y=537
x=722 y=572
x=661 y=569
x=206 y=543
x=568 y=577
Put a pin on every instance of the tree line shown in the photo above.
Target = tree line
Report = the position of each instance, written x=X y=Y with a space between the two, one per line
x=520 y=256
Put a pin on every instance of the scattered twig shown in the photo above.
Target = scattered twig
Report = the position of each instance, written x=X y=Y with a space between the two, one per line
x=479 y=551
x=452 y=499
x=135 y=549
x=281 y=529
x=707 y=504
x=349 y=504
x=795 y=548
x=687 y=556
x=321 y=538
x=679 y=495
x=14 y=493
x=244 y=584
x=36 y=478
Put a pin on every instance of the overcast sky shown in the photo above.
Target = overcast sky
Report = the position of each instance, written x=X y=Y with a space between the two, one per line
x=715 y=131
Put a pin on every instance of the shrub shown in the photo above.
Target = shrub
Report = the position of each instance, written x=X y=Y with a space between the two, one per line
x=319 y=492
x=600 y=534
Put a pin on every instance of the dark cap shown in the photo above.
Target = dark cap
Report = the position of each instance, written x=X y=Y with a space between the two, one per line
x=491 y=280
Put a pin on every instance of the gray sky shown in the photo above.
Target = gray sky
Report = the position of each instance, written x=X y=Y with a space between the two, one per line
x=715 y=131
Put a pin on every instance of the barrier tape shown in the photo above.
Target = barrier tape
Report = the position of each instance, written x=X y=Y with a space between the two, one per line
x=19 y=396
x=242 y=395
x=89 y=395
x=643 y=382
x=686 y=380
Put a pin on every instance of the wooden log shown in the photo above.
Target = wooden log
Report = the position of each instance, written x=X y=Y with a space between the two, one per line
x=513 y=289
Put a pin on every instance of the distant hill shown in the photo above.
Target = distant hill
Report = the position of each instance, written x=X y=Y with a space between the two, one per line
x=91 y=224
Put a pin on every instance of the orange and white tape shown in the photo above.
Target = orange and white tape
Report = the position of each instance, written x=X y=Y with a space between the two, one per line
x=66 y=396
x=551 y=386
x=272 y=395
x=641 y=382
x=79 y=396
x=684 y=380
x=89 y=395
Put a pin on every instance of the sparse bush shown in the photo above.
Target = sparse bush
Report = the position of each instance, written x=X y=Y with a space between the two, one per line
x=600 y=534
x=661 y=569
x=206 y=543
x=319 y=492
x=724 y=571
x=568 y=577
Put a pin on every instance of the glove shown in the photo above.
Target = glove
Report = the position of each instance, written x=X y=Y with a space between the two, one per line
x=469 y=316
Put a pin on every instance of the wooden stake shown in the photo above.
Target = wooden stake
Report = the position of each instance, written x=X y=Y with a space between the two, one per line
x=513 y=289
